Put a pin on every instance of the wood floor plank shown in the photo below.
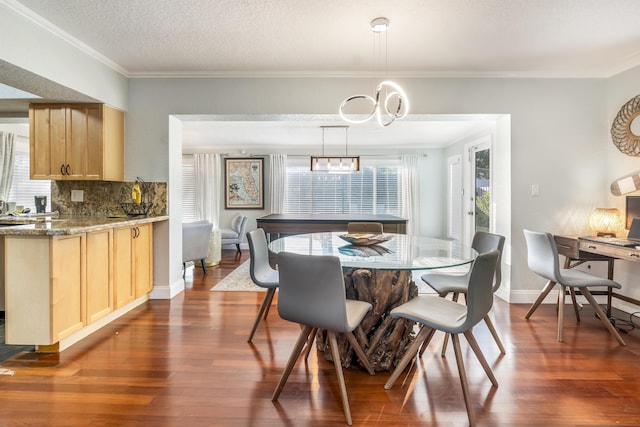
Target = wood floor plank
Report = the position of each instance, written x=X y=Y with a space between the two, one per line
x=186 y=362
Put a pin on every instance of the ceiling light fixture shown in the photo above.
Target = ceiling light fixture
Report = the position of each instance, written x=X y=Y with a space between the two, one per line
x=336 y=164
x=390 y=101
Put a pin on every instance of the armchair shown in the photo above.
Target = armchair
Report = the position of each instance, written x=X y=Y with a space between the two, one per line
x=195 y=242
x=235 y=234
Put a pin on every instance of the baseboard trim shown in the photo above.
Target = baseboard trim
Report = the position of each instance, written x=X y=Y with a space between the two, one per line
x=167 y=292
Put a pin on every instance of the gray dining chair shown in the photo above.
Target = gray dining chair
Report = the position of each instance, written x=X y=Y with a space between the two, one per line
x=542 y=258
x=365 y=227
x=261 y=273
x=445 y=284
x=435 y=313
x=312 y=293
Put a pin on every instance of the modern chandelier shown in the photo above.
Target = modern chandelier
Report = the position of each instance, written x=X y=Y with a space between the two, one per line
x=335 y=164
x=390 y=102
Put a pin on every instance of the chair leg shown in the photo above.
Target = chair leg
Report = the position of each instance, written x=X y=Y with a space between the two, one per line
x=338 y=366
x=494 y=333
x=471 y=339
x=363 y=357
x=541 y=297
x=238 y=248
x=302 y=338
x=576 y=310
x=425 y=344
x=463 y=378
x=424 y=334
x=184 y=269
x=561 y=296
x=445 y=342
x=603 y=317
x=310 y=341
x=266 y=302
x=204 y=265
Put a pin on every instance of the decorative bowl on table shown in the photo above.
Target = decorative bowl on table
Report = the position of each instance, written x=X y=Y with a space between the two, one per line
x=363 y=251
x=365 y=239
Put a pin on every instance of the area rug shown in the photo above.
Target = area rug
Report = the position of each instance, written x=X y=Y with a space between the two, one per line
x=238 y=280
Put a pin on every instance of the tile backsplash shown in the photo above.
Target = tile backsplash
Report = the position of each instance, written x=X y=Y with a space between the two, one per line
x=105 y=198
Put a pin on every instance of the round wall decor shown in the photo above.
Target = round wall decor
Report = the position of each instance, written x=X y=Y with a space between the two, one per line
x=623 y=137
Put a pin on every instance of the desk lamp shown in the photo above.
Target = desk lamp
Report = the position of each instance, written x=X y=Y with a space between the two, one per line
x=606 y=221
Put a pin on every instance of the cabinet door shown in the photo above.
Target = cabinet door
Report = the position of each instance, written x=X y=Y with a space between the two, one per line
x=143 y=258
x=124 y=291
x=99 y=267
x=84 y=145
x=47 y=139
x=67 y=285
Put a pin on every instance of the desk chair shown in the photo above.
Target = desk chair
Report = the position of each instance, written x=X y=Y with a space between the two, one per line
x=435 y=313
x=444 y=284
x=542 y=257
x=365 y=227
x=261 y=273
x=312 y=293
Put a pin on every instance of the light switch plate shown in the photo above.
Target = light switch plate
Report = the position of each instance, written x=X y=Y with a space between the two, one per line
x=77 y=195
x=535 y=190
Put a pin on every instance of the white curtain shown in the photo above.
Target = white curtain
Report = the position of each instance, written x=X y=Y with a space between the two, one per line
x=208 y=171
x=7 y=157
x=410 y=192
x=277 y=182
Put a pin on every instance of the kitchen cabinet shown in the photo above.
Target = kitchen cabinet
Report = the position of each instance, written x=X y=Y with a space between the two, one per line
x=99 y=283
x=67 y=285
x=59 y=288
x=76 y=142
x=133 y=262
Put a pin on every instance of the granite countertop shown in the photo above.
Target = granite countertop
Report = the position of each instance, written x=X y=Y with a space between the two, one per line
x=65 y=225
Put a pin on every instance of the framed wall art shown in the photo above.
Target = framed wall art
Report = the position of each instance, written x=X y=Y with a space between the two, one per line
x=244 y=183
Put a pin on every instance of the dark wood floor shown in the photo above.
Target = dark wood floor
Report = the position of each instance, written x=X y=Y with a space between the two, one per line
x=186 y=362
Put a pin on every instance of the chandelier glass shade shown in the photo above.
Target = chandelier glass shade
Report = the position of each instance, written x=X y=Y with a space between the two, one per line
x=336 y=163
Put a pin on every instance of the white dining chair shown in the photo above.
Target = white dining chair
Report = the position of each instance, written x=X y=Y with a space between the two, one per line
x=435 y=313
x=261 y=273
x=312 y=294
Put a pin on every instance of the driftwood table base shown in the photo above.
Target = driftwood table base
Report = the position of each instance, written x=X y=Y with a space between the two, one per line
x=383 y=338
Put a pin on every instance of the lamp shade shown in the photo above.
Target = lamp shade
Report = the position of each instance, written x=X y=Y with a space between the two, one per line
x=606 y=221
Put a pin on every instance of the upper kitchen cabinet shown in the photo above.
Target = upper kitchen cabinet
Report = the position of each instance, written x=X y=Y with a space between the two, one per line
x=76 y=142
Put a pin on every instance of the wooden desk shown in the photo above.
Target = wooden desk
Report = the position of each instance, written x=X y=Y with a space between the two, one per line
x=578 y=251
x=275 y=225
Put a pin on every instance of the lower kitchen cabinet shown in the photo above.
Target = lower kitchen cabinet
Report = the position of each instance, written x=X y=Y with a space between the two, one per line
x=58 y=285
x=133 y=262
x=67 y=285
x=99 y=283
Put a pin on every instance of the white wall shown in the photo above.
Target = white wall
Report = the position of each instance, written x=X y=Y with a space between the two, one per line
x=557 y=132
x=38 y=51
x=621 y=89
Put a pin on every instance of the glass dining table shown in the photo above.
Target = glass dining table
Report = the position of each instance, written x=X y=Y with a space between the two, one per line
x=380 y=274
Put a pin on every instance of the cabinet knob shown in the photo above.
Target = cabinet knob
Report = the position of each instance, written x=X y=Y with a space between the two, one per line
x=61 y=169
x=68 y=169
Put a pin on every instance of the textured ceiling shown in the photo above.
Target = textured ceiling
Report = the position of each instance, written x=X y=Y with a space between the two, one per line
x=181 y=38
x=325 y=37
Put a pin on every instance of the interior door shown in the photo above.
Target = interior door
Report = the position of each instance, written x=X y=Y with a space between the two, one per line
x=479 y=202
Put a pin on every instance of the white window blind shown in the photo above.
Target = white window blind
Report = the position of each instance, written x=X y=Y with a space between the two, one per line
x=23 y=189
x=373 y=190
x=189 y=213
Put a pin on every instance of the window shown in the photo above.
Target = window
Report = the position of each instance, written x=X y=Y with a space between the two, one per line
x=376 y=189
x=23 y=189
x=189 y=211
